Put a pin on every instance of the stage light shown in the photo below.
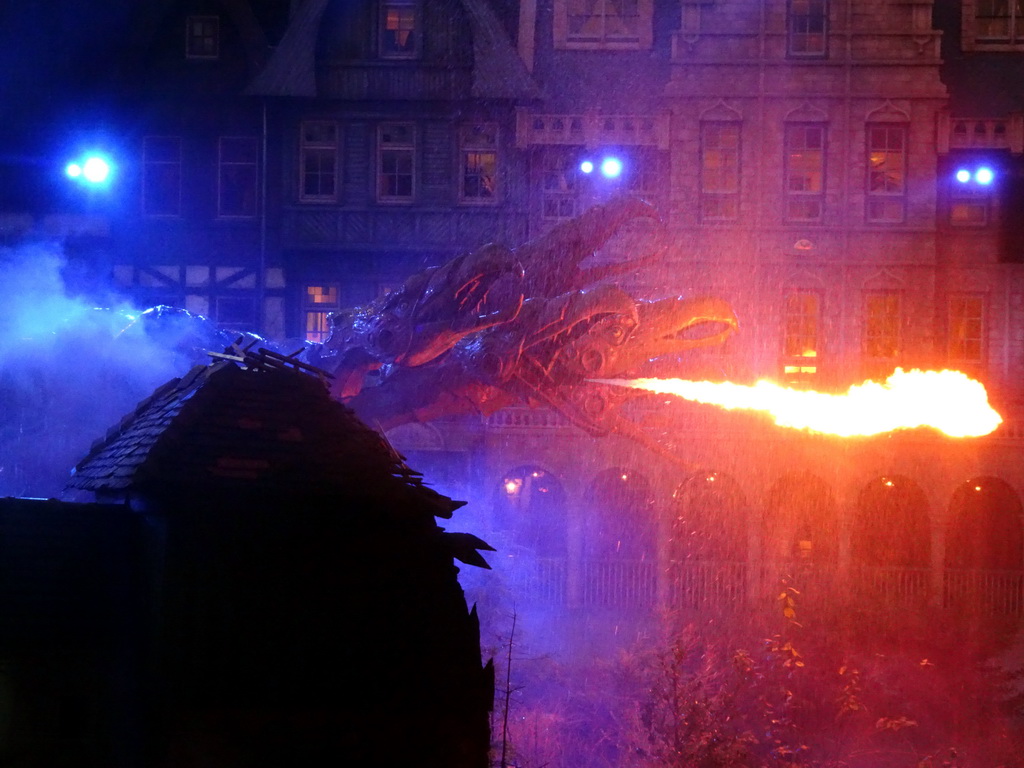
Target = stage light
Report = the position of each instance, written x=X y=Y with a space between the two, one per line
x=611 y=167
x=587 y=167
x=984 y=175
x=963 y=175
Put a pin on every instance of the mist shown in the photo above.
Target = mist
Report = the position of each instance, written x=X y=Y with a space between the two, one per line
x=71 y=366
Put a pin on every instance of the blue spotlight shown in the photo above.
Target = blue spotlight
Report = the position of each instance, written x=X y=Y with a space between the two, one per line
x=963 y=175
x=984 y=175
x=587 y=167
x=93 y=169
x=611 y=167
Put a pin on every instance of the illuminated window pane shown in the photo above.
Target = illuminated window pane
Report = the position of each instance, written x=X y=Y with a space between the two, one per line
x=966 y=340
x=559 y=184
x=595 y=21
x=886 y=176
x=478 y=145
x=805 y=172
x=881 y=333
x=320 y=302
x=801 y=312
x=399 y=29
x=720 y=170
x=807 y=27
x=998 y=21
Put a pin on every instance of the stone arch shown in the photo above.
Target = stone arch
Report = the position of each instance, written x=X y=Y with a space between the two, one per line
x=530 y=511
x=806 y=113
x=720 y=112
x=620 y=522
x=800 y=521
x=709 y=520
x=890 y=524
x=984 y=529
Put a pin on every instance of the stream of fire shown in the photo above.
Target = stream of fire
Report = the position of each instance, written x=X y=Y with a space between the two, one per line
x=949 y=401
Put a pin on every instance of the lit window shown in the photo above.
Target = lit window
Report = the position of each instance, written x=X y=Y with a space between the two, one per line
x=560 y=183
x=998 y=21
x=320 y=301
x=881 y=333
x=584 y=24
x=800 y=337
x=399 y=29
x=887 y=172
x=966 y=335
x=236 y=177
x=161 y=176
x=807 y=27
x=805 y=172
x=202 y=37
x=479 y=173
x=318 y=161
x=720 y=171
x=396 y=164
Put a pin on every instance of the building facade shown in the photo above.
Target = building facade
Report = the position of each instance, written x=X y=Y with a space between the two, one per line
x=848 y=175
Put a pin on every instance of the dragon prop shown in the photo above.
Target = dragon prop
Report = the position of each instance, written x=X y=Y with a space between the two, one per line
x=497 y=327
x=531 y=326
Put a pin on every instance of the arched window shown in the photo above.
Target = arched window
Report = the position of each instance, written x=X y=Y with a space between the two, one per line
x=985 y=527
x=620 y=522
x=800 y=521
x=710 y=521
x=530 y=507
x=891 y=525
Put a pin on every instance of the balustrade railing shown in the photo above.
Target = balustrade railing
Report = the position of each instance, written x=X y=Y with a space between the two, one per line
x=634 y=586
x=999 y=593
x=618 y=584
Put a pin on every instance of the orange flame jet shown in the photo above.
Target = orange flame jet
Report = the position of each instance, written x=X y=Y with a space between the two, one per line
x=948 y=401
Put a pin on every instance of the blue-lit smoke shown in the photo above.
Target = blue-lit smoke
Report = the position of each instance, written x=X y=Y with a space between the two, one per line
x=69 y=370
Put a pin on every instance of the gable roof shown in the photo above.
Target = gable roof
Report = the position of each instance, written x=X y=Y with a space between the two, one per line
x=498 y=71
x=229 y=426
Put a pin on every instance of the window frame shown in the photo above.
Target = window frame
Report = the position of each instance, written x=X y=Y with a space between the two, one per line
x=972 y=364
x=226 y=166
x=1014 y=17
x=892 y=335
x=194 y=51
x=395 y=150
x=818 y=11
x=725 y=193
x=478 y=140
x=390 y=51
x=875 y=171
x=562 y=200
x=794 y=365
x=313 y=148
x=151 y=165
x=642 y=37
x=792 y=197
x=317 y=308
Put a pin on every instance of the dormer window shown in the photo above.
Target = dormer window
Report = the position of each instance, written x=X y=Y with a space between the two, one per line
x=603 y=24
x=202 y=37
x=400 y=29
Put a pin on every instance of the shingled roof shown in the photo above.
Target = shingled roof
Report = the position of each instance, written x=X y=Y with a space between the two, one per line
x=231 y=425
x=498 y=71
